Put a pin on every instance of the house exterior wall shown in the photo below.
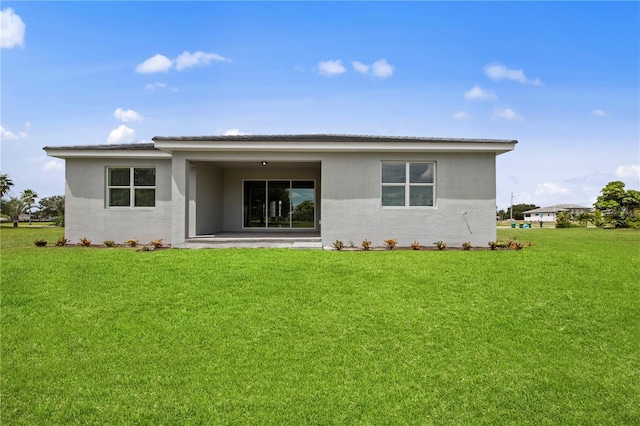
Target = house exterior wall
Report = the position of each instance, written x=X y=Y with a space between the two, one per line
x=464 y=209
x=86 y=211
x=199 y=191
x=208 y=199
x=538 y=217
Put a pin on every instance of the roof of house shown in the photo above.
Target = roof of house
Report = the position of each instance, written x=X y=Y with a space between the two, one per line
x=110 y=147
x=164 y=145
x=322 y=137
x=558 y=208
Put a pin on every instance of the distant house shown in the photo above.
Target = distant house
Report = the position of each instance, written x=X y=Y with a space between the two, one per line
x=336 y=187
x=549 y=214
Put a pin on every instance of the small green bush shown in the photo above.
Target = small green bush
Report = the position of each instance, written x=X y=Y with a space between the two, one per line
x=441 y=245
x=366 y=245
x=62 y=241
x=132 y=242
x=415 y=245
x=338 y=245
x=466 y=245
x=84 y=242
x=40 y=243
x=110 y=243
x=58 y=221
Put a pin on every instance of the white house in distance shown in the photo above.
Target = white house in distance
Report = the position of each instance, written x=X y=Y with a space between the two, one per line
x=328 y=187
x=550 y=214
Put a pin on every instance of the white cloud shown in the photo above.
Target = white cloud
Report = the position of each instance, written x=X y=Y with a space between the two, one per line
x=330 y=68
x=9 y=135
x=11 y=29
x=550 y=189
x=122 y=134
x=630 y=172
x=157 y=63
x=360 y=67
x=126 y=116
x=461 y=116
x=480 y=94
x=53 y=166
x=382 y=69
x=507 y=114
x=500 y=72
x=153 y=86
x=188 y=59
x=234 y=132
x=599 y=113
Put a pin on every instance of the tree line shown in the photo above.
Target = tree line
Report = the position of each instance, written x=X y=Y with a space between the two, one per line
x=15 y=207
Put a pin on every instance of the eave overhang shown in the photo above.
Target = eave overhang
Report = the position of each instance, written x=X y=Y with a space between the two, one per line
x=163 y=147
x=329 y=143
x=134 y=151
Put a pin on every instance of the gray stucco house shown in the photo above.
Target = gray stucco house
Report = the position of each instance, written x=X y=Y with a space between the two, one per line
x=337 y=187
x=550 y=213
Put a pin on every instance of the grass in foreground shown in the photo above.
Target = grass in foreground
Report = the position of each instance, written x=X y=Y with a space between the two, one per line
x=546 y=335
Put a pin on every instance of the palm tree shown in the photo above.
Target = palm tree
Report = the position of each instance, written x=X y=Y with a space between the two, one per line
x=5 y=184
x=29 y=197
x=12 y=209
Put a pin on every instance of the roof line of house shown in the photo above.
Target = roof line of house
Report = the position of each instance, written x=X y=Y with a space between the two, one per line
x=162 y=146
x=321 y=137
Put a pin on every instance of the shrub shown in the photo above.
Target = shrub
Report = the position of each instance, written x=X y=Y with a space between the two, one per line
x=391 y=243
x=109 y=243
x=516 y=245
x=62 y=241
x=441 y=245
x=493 y=244
x=466 y=245
x=338 y=245
x=145 y=248
x=366 y=245
x=40 y=243
x=58 y=221
x=415 y=245
x=157 y=243
x=132 y=242
x=84 y=242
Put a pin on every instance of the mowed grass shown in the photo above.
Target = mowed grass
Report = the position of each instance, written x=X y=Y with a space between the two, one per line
x=546 y=335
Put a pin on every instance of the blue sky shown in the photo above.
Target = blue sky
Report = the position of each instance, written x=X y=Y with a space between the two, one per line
x=561 y=78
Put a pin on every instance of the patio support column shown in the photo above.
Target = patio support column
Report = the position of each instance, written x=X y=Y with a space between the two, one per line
x=178 y=200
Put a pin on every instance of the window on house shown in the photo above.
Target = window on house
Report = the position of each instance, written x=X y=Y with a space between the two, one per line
x=407 y=184
x=131 y=186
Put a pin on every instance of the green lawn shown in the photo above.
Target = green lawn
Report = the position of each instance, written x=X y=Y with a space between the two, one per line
x=546 y=335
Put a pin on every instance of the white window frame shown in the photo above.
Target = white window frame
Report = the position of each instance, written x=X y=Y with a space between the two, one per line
x=131 y=187
x=407 y=184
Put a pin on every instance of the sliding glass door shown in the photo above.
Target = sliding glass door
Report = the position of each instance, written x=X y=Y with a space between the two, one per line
x=279 y=204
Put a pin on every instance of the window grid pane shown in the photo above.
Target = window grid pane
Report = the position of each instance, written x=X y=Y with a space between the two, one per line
x=119 y=177
x=421 y=172
x=145 y=197
x=119 y=197
x=144 y=177
x=394 y=172
x=421 y=195
x=393 y=195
